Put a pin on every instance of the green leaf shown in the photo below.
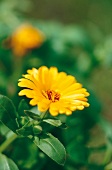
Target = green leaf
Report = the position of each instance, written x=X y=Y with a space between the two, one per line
x=21 y=121
x=32 y=115
x=7 y=164
x=30 y=128
x=54 y=122
x=22 y=106
x=52 y=147
x=109 y=166
x=5 y=103
x=8 y=113
x=63 y=126
x=26 y=130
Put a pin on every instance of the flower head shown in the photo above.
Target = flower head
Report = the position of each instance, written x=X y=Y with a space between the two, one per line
x=26 y=37
x=54 y=91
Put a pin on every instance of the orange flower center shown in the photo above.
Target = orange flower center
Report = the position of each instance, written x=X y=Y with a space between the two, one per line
x=51 y=95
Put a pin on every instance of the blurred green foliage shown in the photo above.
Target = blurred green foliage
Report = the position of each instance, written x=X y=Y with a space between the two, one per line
x=77 y=51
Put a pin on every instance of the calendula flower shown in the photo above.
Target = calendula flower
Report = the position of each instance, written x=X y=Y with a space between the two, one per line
x=25 y=38
x=54 y=91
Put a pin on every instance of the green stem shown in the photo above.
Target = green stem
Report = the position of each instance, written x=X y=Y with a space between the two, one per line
x=8 y=142
x=108 y=154
x=43 y=114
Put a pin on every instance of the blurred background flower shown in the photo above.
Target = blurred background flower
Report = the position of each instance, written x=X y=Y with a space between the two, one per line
x=25 y=38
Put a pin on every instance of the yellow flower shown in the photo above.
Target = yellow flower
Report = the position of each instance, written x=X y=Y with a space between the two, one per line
x=54 y=91
x=26 y=37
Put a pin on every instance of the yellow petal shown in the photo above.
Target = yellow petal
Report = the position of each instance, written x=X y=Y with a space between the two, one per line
x=43 y=105
x=68 y=81
x=28 y=93
x=26 y=83
x=33 y=102
x=80 y=107
x=71 y=88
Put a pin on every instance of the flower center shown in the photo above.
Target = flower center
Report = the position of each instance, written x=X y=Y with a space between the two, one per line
x=52 y=95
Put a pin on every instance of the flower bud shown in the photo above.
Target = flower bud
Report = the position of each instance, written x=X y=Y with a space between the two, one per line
x=37 y=129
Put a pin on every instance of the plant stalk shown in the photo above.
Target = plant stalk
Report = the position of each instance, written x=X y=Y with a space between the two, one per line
x=43 y=114
x=8 y=141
